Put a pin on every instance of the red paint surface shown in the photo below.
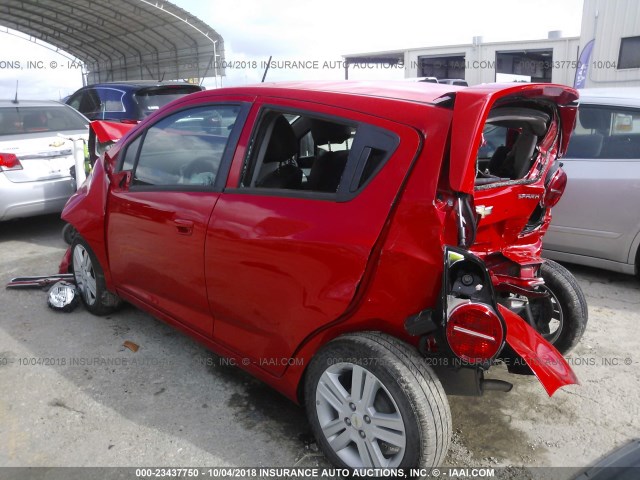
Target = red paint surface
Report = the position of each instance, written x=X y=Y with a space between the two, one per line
x=548 y=365
x=110 y=131
x=268 y=278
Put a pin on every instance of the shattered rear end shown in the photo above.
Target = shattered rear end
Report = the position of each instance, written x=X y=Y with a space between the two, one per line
x=504 y=175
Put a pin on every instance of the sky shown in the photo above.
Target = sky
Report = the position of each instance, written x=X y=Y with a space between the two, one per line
x=322 y=31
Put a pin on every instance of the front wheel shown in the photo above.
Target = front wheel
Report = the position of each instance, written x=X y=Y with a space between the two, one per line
x=373 y=402
x=89 y=278
x=69 y=234
x=561 y=317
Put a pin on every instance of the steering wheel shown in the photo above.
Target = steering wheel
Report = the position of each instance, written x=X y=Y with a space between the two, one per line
x=199 y=171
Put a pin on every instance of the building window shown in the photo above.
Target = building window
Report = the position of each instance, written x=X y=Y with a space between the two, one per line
x=629 y=53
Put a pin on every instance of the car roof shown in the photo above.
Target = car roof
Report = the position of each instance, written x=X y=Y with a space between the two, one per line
x=31 y=103
x=141 y=84
x=620 y=96
x=419 y=92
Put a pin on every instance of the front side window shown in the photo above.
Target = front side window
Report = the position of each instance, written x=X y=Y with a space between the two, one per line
x=184 y=149
x=130 y=154
x=75 y=100
x=606 y=133
x=89 y=103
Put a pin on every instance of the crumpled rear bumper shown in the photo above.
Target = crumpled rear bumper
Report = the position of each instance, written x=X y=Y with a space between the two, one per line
x=546 y=363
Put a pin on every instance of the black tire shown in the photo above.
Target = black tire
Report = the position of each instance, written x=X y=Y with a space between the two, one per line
x=409 y=393
x=567 y=296
x=69 y=233
x=87 y=272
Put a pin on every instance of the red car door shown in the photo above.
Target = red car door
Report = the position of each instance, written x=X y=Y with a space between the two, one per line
x=158 y=216
x=291 y=235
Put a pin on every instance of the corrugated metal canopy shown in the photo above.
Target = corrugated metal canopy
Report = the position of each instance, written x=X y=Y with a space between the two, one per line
x=121 y=39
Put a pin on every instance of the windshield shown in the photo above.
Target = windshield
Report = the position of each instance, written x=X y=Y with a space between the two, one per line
x=151 y=100
x=17 y=120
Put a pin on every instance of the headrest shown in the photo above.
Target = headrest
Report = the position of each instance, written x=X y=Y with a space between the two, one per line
x=594 y=118
x=282 y=143
x=526 y=142
x=324 y=132
x=529 y=120
x=33 y=120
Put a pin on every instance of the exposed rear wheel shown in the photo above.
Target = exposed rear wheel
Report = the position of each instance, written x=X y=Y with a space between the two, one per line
x=562 y=316
x=374 y=403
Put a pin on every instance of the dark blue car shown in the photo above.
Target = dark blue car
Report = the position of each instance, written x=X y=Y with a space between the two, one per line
x=127 y=101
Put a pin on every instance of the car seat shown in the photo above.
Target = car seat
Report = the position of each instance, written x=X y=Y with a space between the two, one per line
x=328 y=167
x=282 y=150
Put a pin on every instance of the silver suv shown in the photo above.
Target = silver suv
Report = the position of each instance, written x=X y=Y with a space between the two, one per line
x=597 y=221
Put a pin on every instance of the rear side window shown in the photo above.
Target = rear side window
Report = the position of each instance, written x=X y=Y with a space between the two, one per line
x=606 y=133
x=20 y=120
x=184 y=149
x=297 y=152
x=111 y=100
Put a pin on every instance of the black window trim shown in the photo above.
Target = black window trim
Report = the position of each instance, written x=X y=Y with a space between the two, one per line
x=353 y=169
x=225 y=162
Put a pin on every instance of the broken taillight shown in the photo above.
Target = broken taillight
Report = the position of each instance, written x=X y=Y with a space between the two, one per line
x=555 y=188
x=474 y=333
x=9 y=161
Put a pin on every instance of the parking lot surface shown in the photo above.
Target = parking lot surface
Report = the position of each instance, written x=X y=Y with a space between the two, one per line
x=72 y=395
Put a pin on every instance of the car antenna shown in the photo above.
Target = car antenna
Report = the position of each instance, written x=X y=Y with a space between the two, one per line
x=162 y=78
x=15 y=100
x=266 y=69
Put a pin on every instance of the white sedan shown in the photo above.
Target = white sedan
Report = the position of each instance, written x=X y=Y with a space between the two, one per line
x=36 y=156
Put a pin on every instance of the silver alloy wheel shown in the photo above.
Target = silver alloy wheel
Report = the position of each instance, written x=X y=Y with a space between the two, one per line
x=84 y=274
x=359 y=418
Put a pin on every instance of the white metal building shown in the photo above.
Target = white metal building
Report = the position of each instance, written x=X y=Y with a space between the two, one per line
x=607 y=53
x=614 y=28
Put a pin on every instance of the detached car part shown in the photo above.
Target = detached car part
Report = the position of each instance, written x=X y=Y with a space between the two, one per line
x=39 y=281
x=63 y=297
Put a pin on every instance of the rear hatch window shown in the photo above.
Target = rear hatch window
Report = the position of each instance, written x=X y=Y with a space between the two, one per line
x=17 y=120
x=510 y=141
x=153 y=98
x=32 y=134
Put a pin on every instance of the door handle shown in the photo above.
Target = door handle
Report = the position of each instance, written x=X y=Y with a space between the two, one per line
x=184 y=227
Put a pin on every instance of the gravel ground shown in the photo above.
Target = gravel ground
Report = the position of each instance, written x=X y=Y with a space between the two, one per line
x=174 y=403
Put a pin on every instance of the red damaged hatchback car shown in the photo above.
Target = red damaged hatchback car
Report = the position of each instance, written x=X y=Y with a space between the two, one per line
x=384 y=237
